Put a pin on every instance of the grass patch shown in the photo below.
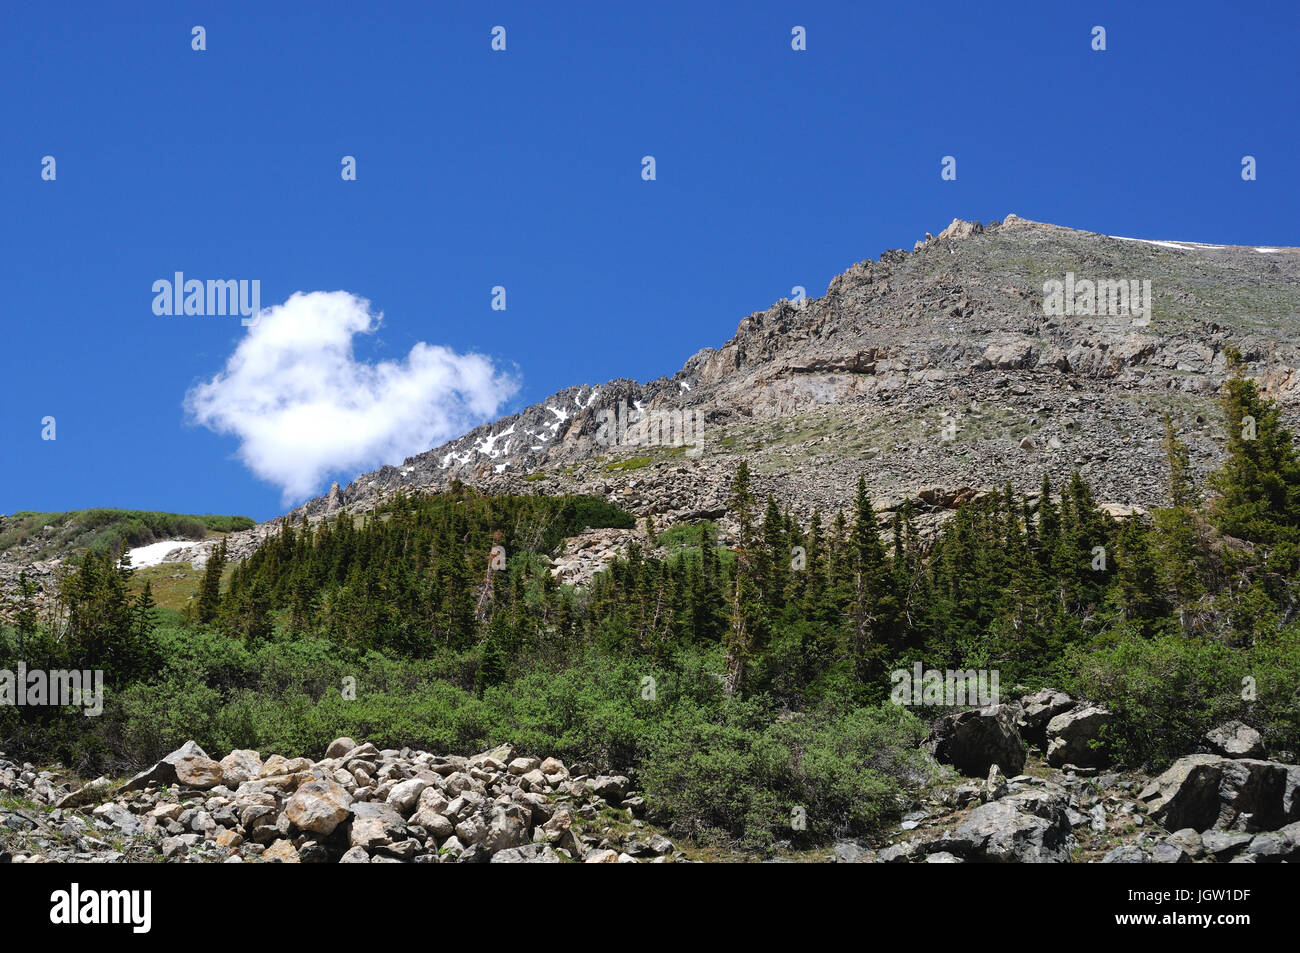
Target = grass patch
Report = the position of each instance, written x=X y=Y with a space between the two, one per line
x=631 y=463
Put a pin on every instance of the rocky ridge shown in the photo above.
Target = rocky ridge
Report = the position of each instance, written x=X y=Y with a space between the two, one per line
x=927 y=372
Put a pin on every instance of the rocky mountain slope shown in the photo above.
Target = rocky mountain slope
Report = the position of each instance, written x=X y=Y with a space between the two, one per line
x=928 y=371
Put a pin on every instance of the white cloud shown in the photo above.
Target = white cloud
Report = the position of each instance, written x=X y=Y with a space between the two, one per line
x=304 y=408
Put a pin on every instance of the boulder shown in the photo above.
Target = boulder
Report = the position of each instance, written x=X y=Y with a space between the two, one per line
x=612 y=788
x=1223 y=845
x=501 y=755
x=527 y=854
x=996 y=785
x=282 y=852
x=406 y=794
x=88 y=794
x=974 y=740
x=1127 y=854
x=319 y=806
x=1236 y=739
x=1291 y=793
x=1070 y=737
x=375 y=825
x=554 y=767
x=240 y=766
x=1206 y=792
x=1037 y=710
x=188 y=764
x=339 y=747
x=507 y=826
x=1028 y=827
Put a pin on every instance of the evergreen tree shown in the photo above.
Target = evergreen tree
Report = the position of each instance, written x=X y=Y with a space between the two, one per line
x=746 y=617
x=1258 y=488
x=210 y=588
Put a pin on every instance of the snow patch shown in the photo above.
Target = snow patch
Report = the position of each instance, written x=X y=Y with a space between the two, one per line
x=155 y=553
x=1183 y=246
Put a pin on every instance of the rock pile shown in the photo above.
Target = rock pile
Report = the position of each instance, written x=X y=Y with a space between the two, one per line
x=357 y=804
x=1231 y=806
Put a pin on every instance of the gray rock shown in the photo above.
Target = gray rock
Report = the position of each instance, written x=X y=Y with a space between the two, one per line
x=847 y=852
x=527 y=854
x=1224 y=845
x=1210 y=791
x=1169 y=853
x=507 y=826
x=1021 y=828
x=1236 y=739
x=1189 y=840
x=1071 y=736
x=996 y=785
x=1037 y=710
x=1127 y=854
x=972 y=741
x=405 y=794
x=612 y=788
x=374 y=824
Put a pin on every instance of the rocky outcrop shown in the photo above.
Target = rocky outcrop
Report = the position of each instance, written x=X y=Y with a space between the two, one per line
x=1212 y=792
x=188 y=765
x=924 y=369
x=1039 y=708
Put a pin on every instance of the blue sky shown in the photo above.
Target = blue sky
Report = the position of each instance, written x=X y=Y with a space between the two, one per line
x=522 y=169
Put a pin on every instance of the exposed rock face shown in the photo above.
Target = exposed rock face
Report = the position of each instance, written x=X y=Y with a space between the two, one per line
x=1037 y=710
x=955 y=331
x=1210 y=791
x=973 y=741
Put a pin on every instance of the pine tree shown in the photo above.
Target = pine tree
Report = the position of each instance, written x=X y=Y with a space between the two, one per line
x=1138 y=592
x=745 y=612
x=210 y=588
x=144 y=612
x=872 y=594
x=1179 y=464
x=1258 y=488
x=1178 y=538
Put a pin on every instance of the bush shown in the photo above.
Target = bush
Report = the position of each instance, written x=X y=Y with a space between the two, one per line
x=1167 y=692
